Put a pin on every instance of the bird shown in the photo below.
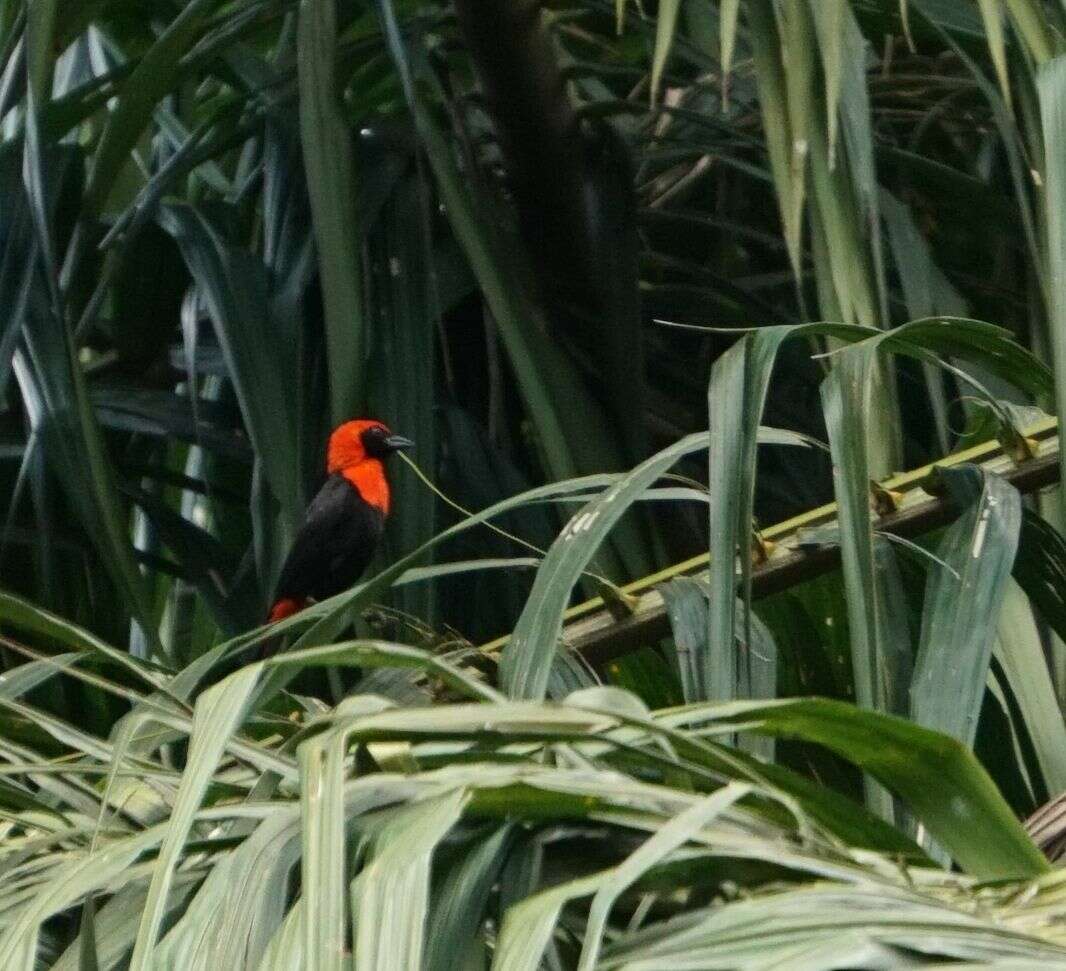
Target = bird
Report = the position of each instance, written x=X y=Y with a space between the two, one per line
x=345 y=520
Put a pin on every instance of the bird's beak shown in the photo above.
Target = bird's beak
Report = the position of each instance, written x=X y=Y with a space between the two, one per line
x=397 y=443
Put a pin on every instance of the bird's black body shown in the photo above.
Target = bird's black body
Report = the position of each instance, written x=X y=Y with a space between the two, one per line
x=342 y=526
x=333 y=547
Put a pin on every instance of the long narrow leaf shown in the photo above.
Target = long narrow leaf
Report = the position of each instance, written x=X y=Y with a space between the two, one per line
x=962 y=605
x=527 y=657
x=330 y=168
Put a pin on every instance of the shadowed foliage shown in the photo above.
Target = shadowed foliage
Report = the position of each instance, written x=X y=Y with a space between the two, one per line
x=639 y=280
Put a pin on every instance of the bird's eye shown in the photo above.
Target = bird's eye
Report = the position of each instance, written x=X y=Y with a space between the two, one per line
x=374 y=439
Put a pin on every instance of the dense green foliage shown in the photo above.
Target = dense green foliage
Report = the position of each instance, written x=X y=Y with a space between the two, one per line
x=526 y=235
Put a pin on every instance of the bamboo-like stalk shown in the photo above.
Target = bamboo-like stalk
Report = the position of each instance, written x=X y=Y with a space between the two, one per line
x=596 y=633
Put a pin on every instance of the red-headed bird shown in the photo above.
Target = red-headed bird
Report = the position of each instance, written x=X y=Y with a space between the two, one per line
x=345 y=520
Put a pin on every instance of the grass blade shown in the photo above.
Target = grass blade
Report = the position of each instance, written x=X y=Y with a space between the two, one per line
x=459 y=905
x=992 y=15
x=939 y=778
x=526 y=660
x=330 y=166
x=686 y=603
x=736 y=399
x=1020 y=653
x=153 y=76
x=1051 y=91
x=781 y=136
x=829 y=22
x=665 y=28
x=235 y=287
x=727 y=34
x=219 y=712
x=670 y=837
x=402 y=374
x=391 y=894
x=962 y=608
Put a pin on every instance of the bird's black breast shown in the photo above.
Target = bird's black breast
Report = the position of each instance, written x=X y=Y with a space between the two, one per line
x=335 y=544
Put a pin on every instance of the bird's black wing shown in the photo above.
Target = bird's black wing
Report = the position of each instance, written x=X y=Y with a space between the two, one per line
x=334 y=545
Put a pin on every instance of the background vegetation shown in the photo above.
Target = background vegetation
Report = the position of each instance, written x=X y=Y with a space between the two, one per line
x=526 y=235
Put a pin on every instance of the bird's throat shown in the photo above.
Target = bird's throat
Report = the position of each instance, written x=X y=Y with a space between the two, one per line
x=368 y=477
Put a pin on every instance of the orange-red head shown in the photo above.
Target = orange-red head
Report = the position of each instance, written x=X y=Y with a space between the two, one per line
x=356 y=441
x=356 y=450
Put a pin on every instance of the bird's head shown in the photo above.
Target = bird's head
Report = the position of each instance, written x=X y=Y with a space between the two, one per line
x=355 y=442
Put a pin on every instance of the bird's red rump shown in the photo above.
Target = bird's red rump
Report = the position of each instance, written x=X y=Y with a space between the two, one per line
x=285 y=607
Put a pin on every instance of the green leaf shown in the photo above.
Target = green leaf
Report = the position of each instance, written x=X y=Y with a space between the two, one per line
x=938 y=777
x=873 y=926
x=459 y=903
x=736 y=399
x=526 y=660
x=391 y=894
x=379 y=654
x=727 y=32
x=687 y=606
x=1040 y=569
x=829 y=20
x=219 y=712
x=29 y=618
x=40 y=64
x=1040 y=37
x=116 y=924
x=235 y=912
x=528 y=926
x=402 y=377
x=962 y=603
x=235 y=287
x=1051 y=91
x=927 y=292
x=847 y=394
x=781 y=136
x=322 y=807
x=53 y=384
x=670 y=837
x=328 y=159
x=67 y=883
x=286 y=950
x=149 y=81
x=992 y=15
x=88 y=959
x=1020 y=653
x=665 y=28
